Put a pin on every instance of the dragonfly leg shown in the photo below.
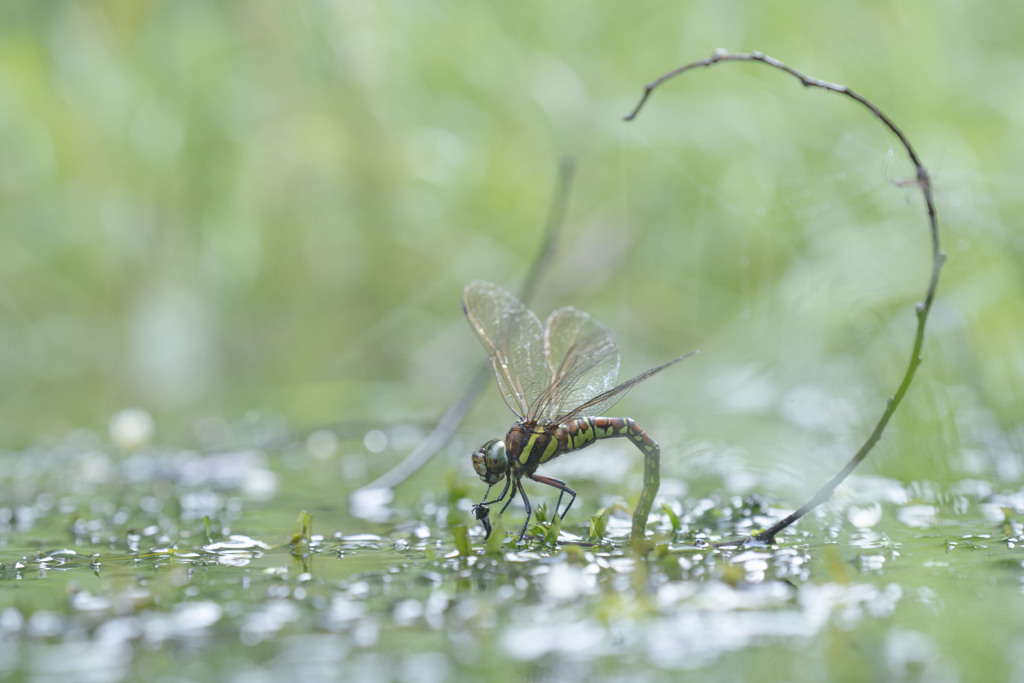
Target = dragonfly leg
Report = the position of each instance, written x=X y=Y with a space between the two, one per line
x=500 y=497
x=484 y=497
x=511 y=497
x=482 y=512
x=563 y=489
x=529 y=510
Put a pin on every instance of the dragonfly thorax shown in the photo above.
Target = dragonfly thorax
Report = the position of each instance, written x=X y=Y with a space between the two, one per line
x=491 y=461
x=530 y=444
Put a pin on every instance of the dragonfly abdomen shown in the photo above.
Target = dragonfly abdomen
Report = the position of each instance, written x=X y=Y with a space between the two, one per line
x=584 y=431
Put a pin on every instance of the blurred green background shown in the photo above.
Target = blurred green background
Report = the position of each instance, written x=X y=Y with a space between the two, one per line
x=262 y=215
x=232 y=209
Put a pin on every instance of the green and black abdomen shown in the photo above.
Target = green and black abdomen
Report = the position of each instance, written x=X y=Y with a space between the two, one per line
x=586 y=430
x=530 y=445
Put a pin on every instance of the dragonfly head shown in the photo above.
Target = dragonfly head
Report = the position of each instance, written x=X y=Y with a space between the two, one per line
x=491 y=461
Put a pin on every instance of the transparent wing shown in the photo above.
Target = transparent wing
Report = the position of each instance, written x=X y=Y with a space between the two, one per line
x=602 y=402
x=513 y=336
x=583 y=359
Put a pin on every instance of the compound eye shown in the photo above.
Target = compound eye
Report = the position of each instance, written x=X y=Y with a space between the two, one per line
x=490 y=461
x=496 y=457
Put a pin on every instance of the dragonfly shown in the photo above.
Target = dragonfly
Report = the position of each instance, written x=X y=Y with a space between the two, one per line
x=556 y=377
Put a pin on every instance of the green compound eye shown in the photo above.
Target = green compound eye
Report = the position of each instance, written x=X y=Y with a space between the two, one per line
x=490 y=461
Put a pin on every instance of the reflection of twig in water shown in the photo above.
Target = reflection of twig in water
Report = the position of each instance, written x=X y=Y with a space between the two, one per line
x=921 y=181
x=370 y=501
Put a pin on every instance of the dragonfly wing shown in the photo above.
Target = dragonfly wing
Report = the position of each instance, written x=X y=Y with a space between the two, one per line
x=583 y=359
x=512 y=335
x=603 y=401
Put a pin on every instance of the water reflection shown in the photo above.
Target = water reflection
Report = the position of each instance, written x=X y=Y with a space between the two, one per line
x=236 y=550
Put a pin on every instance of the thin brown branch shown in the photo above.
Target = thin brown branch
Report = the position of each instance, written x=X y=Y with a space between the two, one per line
x=923 y=309
x=370 y=501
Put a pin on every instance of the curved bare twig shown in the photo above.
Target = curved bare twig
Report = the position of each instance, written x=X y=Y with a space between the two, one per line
x=923 y=181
